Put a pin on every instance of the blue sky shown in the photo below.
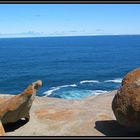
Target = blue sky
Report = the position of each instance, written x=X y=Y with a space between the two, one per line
x=18 y=20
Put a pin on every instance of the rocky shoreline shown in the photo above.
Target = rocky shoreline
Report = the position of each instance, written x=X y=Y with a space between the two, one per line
x=91 y=116
x=116 y=113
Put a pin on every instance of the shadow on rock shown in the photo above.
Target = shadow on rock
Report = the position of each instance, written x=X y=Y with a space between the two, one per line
x=13 y=126
x=112 y=128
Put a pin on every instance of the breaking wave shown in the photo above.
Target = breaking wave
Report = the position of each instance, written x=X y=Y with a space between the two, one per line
x=117 y=80
x=82 y=89
x=89 y=81
x=97 y=92
x=49 y=92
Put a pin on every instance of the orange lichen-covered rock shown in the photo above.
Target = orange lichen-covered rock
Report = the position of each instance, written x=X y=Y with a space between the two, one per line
x=126 y=103
x=57 y=115
x=18 y=106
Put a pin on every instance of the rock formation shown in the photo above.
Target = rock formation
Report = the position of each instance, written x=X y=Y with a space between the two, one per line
x=18 y=106
x=60 y=117
x=126 y=103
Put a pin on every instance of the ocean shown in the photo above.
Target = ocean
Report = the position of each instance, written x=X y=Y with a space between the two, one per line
x=73 y=67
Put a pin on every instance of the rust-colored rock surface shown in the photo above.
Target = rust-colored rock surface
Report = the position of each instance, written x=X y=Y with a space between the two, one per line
x=92 y=116
x=17 y=107
x=126 y=103
x=60 y=117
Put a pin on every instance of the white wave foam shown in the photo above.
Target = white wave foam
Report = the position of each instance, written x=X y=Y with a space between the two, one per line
x=89 y=81
x=49 y=92
x=97 y=92
x=73 y=85
x=117 y=80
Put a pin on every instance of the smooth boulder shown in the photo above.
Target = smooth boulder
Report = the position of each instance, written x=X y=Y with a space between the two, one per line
x=126 y=103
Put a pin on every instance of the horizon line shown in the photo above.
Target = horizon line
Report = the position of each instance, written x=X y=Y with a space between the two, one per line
x=69 y=36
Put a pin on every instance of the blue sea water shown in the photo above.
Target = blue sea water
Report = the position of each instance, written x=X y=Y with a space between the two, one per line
x=70 y=67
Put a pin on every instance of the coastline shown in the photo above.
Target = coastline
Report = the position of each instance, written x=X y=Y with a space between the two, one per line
x=61 y=117
x=92 y=116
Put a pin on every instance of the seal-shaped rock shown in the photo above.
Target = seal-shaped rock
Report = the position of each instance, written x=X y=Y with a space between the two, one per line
x=18 y=106
x=126 y=103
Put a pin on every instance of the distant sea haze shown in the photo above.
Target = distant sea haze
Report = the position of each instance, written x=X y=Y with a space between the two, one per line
x=70 y=67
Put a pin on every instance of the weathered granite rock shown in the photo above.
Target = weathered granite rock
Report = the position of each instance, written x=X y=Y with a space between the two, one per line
x=18 y=106
x=61 y=117
x=126 y=103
